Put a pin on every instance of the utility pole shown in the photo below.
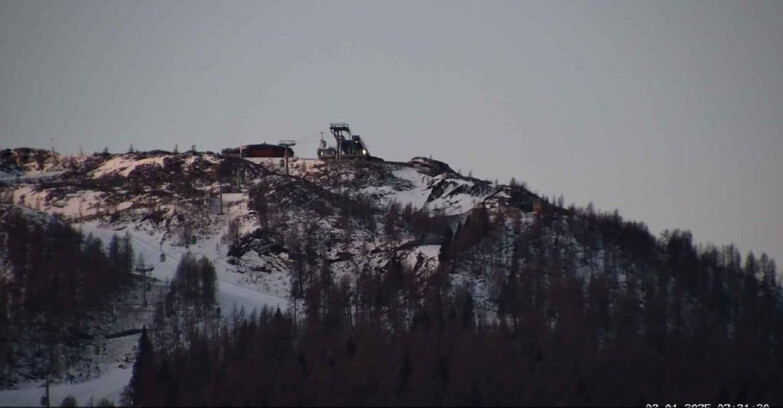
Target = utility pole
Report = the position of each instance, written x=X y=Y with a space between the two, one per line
x=286 y=144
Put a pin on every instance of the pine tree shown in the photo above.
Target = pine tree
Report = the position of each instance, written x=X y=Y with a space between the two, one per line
x=443 y=255
x=127 y=250
x=390 y=221
x=768 y=270
x=114 y=253
x=751 y=266
x=208 y=281
x=142 y=380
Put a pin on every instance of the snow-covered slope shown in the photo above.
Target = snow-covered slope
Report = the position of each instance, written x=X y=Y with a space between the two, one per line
x=108 y=385
x=421 y=182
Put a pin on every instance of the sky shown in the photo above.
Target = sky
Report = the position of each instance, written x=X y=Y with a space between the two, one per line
x=671 y=112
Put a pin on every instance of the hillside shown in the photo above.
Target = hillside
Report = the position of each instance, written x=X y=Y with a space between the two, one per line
x=174 y=198
x=380 y=256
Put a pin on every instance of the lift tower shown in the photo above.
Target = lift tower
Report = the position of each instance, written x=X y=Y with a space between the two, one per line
x=286 y=144
x=339 y=131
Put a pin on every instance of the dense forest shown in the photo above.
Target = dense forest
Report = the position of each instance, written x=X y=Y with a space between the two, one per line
x=586 y=309
x=58 y=279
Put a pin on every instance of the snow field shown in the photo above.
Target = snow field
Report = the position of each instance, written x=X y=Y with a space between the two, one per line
x=109 y=385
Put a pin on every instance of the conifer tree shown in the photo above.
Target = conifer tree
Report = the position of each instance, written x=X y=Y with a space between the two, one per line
x=143 y=378
x=208 y=281
x=443 y=254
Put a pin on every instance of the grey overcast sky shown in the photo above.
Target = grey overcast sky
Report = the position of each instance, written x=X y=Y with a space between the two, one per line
x=670 y=111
